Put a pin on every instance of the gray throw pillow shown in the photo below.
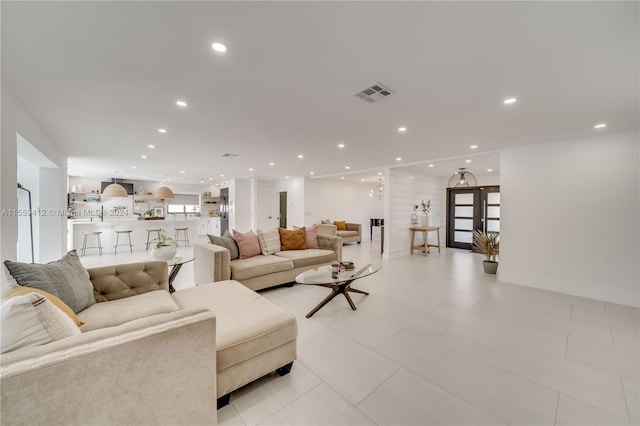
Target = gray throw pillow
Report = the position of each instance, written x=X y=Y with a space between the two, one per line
x=65 y=278
x=227 y=242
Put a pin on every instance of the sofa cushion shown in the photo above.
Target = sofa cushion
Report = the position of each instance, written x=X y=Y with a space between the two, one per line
x=128 y=279
x=31 y=320
x=309 y=257
x=248 y=244
x=341 y=225
x=120 y=311
x=247 y=323
x=269 y=241
x=292 y=240
x=345 y=234
x=256 y=266
x=65 y=278
x=20 y=290
x=227 y=242
x=310 y=236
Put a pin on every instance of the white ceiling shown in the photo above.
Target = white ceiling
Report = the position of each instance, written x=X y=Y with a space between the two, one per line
x=102 y=77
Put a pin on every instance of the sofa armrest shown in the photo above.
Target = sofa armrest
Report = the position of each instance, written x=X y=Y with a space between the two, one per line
x=329 y=242
x=117 y=375
x=355 y=227
x=130 y=279
x=212 y=263
x=327 y=229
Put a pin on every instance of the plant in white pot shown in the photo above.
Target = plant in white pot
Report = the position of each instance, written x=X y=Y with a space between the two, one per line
x=489 y=244
x=164 y=247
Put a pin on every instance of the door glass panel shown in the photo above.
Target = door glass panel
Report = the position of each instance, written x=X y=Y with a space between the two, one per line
x=464 y=199
x=464 y=211
x=493 y=198
x=464 y=224
x=463 y=237
x=493 y=211
x=493 y=226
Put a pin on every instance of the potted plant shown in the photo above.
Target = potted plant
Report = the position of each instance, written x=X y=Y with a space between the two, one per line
x=164 y=246
x=489 y=244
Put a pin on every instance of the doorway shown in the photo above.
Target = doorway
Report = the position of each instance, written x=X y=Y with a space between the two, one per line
x=471 y=208
x=283 y=209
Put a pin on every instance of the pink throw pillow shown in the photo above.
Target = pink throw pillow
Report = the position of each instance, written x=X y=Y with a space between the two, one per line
x=248 y=244
x=311 y=236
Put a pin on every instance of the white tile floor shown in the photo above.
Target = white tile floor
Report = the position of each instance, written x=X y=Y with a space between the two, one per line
x=439 y=342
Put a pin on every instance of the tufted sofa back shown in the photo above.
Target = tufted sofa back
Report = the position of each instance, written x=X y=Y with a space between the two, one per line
x=120 y=281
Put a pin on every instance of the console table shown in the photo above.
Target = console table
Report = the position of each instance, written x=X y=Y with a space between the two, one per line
x=425 y=231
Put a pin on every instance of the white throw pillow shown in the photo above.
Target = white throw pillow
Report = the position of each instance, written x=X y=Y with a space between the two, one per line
x=269 y=241
x=31 y=320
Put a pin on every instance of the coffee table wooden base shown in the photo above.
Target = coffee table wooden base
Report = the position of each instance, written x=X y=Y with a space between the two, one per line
x=342 y=288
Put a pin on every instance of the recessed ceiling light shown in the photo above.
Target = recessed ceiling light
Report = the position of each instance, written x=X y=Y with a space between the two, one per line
x=300 y=156
x=133 y=167
x=181 y=171
x=286 y=177
x=251 y=169
x=398 y=158
x=312 y=173
x=402 y=129
x=127 y=176
x=272 y=164
x=221 y=175
x=362 y=180
x=510 y=101
x=151 y=146
x=467 y=161
x=341 y=177
x=600 y=126
x=201 y=180
x=210 y=178
x=144 y=157
x=489 y=170
x=163 y=130
x=181 y=103
x=347 y=167
x=474 y=147
x=219 y=47
x=430 y=165
x=340 y=145
x=379 y=173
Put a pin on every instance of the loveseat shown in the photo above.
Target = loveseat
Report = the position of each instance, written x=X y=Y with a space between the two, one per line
x=213 y=263
x=352 y=233
x=145 y=356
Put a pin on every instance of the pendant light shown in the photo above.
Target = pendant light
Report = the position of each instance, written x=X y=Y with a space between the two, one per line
x=114 y=190
x=462 y=178
x=163 y=193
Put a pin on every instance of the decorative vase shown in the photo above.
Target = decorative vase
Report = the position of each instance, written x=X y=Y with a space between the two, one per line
x=424 y=220
x=163 y=253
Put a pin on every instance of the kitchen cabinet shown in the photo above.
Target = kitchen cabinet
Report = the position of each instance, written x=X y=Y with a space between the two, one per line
x=209 y=226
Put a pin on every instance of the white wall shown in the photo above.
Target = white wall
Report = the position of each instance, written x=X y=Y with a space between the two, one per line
x=570 y=217
x=16 y=120
x=341 y=200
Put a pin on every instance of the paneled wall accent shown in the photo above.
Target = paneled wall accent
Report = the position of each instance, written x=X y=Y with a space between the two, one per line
x=403 y=192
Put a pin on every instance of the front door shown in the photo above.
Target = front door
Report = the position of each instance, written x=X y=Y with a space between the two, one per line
x=471 y=208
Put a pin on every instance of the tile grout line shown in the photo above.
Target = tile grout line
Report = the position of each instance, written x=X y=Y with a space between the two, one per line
x=286 y=405
x=370 y=393
x=566 y=347
x=613 y=342
x=443 y=331
x=571 y=312
x=555 y=419
x=624 y=395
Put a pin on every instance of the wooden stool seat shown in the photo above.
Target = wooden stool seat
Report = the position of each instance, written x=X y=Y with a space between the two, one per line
x=84 y=242
x=185 y=232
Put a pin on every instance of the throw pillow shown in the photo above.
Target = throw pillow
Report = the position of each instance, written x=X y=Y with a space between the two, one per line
x=310 y=236
x=269 y=241
x=292 y=240
x=248 y=244
x=65 y=278
x=20 y=291
x=31 y=320
x=227 y=242
x=326 y=222
x=341 y=225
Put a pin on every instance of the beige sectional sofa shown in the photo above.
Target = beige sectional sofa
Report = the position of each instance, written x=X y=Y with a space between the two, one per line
x=353 y=233
x=213 y=263
x=146 y=356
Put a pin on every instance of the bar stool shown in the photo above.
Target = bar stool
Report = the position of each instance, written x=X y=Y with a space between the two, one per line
x=84 y=243
x=128 y=232
x=149 y=231
x=186 y=235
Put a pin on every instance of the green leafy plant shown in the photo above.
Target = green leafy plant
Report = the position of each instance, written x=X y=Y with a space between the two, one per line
x=488 y=243
x=148 y=213
x=164 y=240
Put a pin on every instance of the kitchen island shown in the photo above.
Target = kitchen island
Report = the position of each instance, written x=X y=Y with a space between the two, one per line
x=77 y=227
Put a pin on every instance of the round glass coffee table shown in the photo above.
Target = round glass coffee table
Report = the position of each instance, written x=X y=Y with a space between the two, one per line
x=340 y=285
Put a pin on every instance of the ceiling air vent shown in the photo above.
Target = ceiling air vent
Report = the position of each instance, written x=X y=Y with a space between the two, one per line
x=375 y=92
x=229 y=155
